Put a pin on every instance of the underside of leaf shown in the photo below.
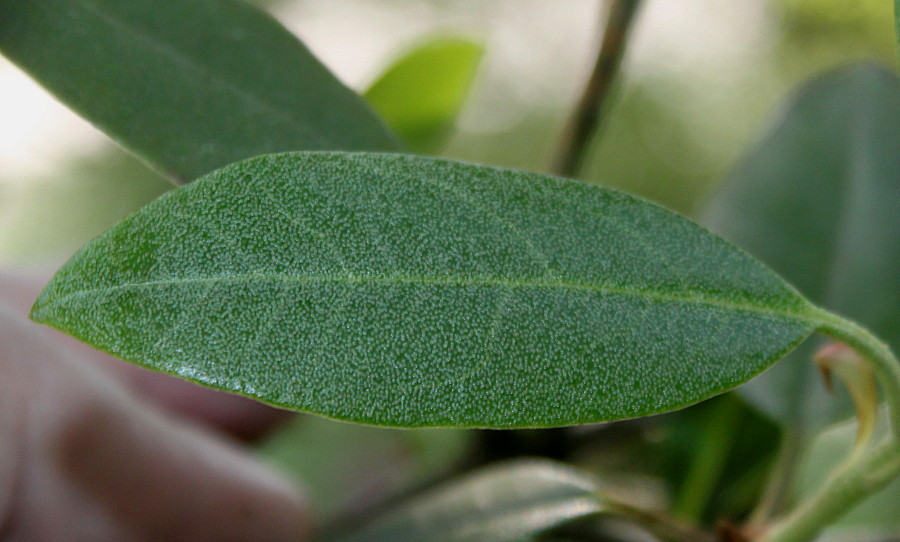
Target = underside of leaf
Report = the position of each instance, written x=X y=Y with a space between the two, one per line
x=405 y=291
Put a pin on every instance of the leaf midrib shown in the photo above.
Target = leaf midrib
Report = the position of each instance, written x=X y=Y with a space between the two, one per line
x=806 y=316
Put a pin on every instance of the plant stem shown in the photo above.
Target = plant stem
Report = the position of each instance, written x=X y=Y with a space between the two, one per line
x=863 y=474
x=661 y=525
x=841 y=493
x=586 y=118
x=708 y=460
x=778 y=484
x=884 y=363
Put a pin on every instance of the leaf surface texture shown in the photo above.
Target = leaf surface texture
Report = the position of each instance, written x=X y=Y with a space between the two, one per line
x=408 y=291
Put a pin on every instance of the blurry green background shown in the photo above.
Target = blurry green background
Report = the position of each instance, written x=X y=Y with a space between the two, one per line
x=698 y=80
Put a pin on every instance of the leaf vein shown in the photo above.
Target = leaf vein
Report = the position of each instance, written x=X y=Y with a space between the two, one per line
x=698 y=298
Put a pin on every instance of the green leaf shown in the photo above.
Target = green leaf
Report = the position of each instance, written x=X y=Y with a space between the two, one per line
x=830 y=448
x=497 y=504
x=421 y=94
x=897 y=22
x=818 y=199
x=408 y=291
x=190 y=86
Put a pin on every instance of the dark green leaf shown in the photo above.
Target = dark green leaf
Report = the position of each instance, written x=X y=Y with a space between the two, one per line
x=498 y=504
x=407 y=291
x=420 y=95
x=190 y=85
x=818 y=199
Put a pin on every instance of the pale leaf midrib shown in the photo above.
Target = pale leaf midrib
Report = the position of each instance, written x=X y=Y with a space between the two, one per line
x=690 y=297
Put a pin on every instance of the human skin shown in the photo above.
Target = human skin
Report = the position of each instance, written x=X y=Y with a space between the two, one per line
x=92 y=451
x=237 y=416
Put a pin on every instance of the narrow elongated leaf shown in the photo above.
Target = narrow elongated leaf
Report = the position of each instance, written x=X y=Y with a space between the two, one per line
x=190 y=85
x=420 y=95
x=498 y=504
x=401 y=290
x=818 y=199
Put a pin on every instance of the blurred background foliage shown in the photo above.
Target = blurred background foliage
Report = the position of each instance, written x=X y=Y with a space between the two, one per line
x=494 y=83
x=697 y=82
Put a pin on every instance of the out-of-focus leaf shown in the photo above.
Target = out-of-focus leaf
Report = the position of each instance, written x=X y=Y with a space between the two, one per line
x=51 y=216
x=875 y=518
x=420 y=95
x=497 y=504
x=713 y=455
x=400 y=290
x=350 y=467
x=190 y=85
x=818 y=200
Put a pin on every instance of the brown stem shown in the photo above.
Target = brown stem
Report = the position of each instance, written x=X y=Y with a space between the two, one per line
x=587 y=116
x=776 y=494
x=661 y=525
